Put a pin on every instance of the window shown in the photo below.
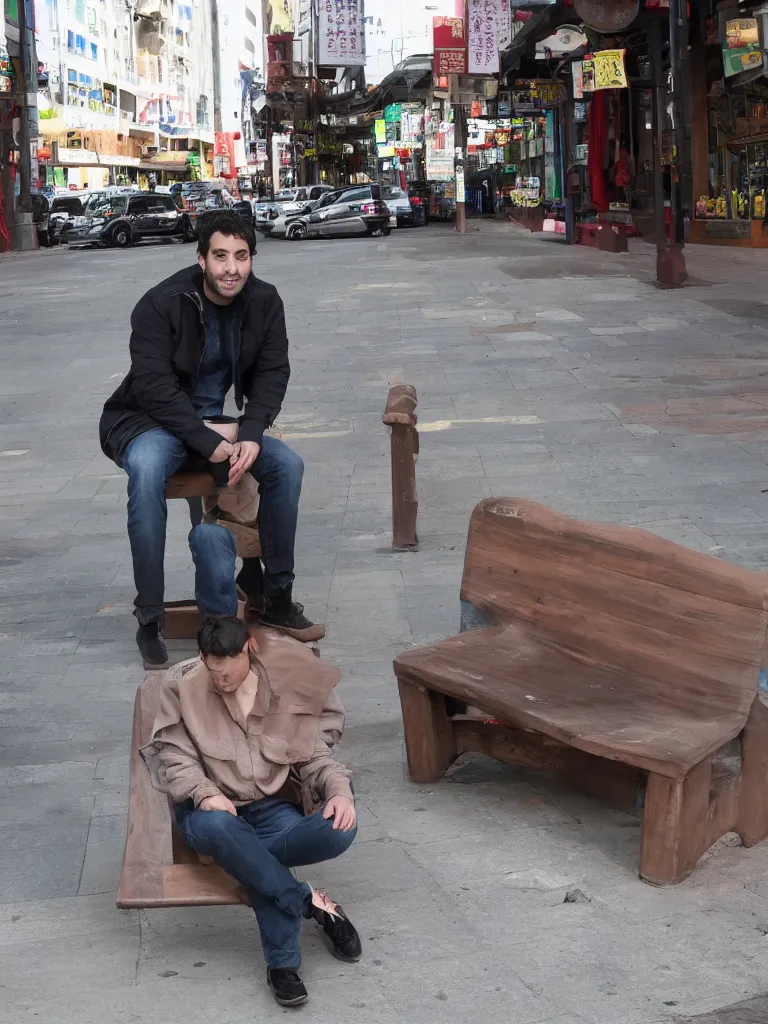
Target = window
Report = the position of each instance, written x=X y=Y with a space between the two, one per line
x=70 y=40
x=94 y=51
x=160 y=204
x=137 y=206
x=250 y=16
x=355 y=195
x=390 y=192
x=80 y=11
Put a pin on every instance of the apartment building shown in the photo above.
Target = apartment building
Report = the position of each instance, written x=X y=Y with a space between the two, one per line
x=130 y=90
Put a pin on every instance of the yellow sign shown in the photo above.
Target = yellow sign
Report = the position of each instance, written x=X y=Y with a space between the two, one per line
x=741 y=32
x=280 y=17
x=380 y=130
x=609 y=70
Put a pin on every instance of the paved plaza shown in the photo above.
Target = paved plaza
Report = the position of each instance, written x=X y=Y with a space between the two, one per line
x=556 y=374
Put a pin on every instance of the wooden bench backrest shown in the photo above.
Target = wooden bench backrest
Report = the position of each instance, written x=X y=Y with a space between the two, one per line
x=621 y=597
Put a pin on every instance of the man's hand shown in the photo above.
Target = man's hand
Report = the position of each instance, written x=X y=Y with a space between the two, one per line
x=224 y=451
x=246 y=453
x=218 y=803
x=342 y=810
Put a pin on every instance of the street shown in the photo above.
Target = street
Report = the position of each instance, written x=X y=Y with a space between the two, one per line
x=557 y=374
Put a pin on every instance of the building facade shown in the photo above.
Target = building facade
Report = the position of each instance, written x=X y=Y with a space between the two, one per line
x=129 y=91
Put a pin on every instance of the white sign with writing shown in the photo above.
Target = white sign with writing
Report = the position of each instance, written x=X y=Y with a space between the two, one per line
x=488 y=26
x=341 y=33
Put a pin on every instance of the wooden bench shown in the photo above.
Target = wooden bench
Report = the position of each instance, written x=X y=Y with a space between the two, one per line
x=182 y=618
x=625 y=662
x=400 y=416
x=159 y=869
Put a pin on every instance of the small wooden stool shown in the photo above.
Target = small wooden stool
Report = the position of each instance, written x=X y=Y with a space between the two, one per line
x=182 y=618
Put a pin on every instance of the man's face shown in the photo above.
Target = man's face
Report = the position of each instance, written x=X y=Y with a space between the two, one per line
x=226 y=267
x=228 y=674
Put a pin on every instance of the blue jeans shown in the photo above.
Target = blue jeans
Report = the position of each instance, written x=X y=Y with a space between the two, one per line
x=257 y=848
x=151 y=459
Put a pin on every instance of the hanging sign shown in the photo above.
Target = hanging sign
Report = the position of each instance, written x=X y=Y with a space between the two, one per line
x=578 y=79
x=393 y=113
x=380 y=130
x=741 y=32
x=746 y=58
x=341 y=31
x=603 y=70
x=450 y=47
x=487 y=19
x=564 y=40
x=607 y=15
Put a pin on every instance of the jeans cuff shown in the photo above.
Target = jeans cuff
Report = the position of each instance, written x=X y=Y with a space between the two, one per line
x=149 y=614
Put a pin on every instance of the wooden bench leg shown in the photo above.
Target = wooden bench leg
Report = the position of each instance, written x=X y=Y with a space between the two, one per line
x=429 y=739
x=675 y=825
x=752 y=821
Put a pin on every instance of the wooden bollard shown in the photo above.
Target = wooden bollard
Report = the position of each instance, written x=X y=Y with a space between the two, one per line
x=400 y=416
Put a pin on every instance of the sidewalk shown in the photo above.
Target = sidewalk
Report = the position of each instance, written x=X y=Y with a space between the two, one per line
x=562 y=375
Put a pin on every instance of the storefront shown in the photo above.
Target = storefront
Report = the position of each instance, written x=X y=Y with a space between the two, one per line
x=439 y=142
x=730 y=131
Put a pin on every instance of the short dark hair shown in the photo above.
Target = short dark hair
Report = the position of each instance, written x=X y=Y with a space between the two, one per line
x=227 y=223
x=222 y=637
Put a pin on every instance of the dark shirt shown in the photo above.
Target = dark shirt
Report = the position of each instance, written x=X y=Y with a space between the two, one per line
x=216 y=372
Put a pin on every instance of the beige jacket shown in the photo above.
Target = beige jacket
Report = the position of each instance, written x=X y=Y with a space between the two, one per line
x=201 y=745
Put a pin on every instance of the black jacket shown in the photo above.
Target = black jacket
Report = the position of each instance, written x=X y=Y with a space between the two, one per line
x=167 y=341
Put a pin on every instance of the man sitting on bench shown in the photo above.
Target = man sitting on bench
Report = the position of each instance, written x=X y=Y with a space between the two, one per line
x=233 y=741
x=194 y=336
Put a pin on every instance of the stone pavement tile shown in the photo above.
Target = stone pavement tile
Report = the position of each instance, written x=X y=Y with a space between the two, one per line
x=750 y=1011
x=473 y=990
x=38 y=863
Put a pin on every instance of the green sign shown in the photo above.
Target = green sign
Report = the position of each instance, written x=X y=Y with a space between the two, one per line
x=12 y=11
x=393 y=112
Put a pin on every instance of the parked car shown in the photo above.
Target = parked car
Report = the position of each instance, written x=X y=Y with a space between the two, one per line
x=400 y=205
x=196 y=197
x=55 y=224
x=359 y=210
x=290 y=201
x=121 y=220
x=244 y=208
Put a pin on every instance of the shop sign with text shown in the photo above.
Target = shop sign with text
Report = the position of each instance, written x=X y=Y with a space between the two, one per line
x=341 y=32
x=450 y=47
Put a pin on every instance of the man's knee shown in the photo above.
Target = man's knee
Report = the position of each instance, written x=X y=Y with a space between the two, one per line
x=146 y=464
x=283 y=462
x=210 y=828
x=209 y=540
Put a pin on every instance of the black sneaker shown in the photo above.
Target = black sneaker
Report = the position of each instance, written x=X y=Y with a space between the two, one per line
x=345 y=942
x=152 y=646
x=287 y=986
x=281 y=612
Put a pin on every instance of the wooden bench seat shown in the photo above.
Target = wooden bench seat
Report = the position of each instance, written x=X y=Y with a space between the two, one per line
x=595 y=645
x=159 y=869
x=182 y=618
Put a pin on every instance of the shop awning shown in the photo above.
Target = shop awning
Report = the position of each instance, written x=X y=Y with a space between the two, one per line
x=537 y=27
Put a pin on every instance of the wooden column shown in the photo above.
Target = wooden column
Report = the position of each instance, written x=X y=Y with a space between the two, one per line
x=400 y=416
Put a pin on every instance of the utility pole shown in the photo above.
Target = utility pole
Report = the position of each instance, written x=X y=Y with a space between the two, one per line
x=459 y=141
x=23 y=231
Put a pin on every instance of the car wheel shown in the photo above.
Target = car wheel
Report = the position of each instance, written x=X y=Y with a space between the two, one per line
x=121 y=237
x=296 y=233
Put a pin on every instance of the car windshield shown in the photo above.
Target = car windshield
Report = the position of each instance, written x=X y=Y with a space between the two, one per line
x=68 y=204
x=104 y=204
x=391 y=192
x=285 y=197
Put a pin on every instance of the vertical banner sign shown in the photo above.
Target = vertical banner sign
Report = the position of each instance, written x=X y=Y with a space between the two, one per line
x=487 y=24
x=450 y=46
x=341 y=33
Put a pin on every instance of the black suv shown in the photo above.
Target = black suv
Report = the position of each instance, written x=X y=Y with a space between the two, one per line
x=122 y=220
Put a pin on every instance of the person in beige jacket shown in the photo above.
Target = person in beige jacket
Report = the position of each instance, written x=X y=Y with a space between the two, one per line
x=240 y=743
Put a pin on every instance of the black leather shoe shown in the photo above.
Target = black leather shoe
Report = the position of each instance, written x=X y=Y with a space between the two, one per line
x=345 y=942
x=152 y=646
x=287 y=986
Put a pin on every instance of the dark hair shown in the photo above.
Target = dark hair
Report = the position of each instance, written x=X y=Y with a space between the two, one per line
x=222 y=637
x=227 y=223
